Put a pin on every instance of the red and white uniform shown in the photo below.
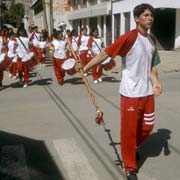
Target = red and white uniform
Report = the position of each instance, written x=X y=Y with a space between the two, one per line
x=59 y=56
x=13 y=56
x=83 y=48
x=95 y=44
x=1 y=47
x=34 y=38
x=74 y=43
x=41 y=51
x=137 y=99
x=3 y=51
x=23 y=55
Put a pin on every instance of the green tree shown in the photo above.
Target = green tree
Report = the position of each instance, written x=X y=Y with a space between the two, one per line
x=14 y=14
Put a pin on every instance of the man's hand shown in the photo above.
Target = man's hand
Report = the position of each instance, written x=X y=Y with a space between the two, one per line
x=157 y=89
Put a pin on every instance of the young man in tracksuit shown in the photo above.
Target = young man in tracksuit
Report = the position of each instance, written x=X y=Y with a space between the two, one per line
x=138 y=86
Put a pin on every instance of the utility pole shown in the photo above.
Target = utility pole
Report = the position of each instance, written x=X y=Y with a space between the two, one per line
x=45 y=15
x=0 y=14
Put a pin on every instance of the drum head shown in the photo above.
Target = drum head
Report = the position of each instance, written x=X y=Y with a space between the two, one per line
x=68 y=64
x=2 y=57
x=107 y=60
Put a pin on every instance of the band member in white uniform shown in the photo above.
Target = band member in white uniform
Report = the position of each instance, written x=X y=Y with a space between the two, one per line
x=83 y=48
x=22 y=51
x=58 y=46
x=95 y=45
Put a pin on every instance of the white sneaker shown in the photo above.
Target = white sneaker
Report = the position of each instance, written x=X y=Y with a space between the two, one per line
x=25 y=85
x=14 y=77
x=95 y=81
x=100 y=80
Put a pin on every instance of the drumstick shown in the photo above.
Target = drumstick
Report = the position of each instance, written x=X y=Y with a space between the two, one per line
x=99 y=119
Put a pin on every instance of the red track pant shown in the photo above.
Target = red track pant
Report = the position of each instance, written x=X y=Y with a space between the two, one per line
x=137 y=121
x=41 y=55
x=1 y=75
x=97 y=71
x=13 y=68
x=84 y=57
x=59 y=72
x=23 y=70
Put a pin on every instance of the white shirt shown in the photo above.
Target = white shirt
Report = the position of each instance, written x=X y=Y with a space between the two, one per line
x=59 y=48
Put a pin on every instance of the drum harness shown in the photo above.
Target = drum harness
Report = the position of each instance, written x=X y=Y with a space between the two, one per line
x=99 y=118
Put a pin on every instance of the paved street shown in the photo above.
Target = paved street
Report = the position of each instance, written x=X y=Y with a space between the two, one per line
x=48 y=132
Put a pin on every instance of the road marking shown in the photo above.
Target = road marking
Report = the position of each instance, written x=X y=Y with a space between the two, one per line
x=74 y=160
x=13 y=163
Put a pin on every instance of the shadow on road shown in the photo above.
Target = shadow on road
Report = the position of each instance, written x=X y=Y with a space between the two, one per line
x=154 y=145
x=22 y=158
x=110 y=79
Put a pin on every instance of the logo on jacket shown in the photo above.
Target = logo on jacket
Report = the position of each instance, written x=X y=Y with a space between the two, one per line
x=131 y=108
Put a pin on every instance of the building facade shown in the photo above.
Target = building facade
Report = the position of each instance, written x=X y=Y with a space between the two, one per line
x=112 y=17
x=166 y=25
x=91 y=13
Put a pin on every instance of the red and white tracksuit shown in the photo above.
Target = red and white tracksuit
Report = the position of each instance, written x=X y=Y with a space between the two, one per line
x=74 y=43
x=41 y=51
x=13 y=56
x=34 y=38
x=23 y=70
x=83 y=49
x=95 y=44
x=59 y=56
x=137 y=99
x=1 y=46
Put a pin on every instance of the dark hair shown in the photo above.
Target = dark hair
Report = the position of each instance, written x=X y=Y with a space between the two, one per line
x=93 y=30
x=83 y=28
x=57 y=33
x=74 y=32
x=22 y=31
x=139 y=9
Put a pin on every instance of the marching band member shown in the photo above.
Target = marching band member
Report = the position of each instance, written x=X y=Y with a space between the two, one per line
x=34 y=38
x=83 y=48
x=22 y=51
x=12 y=55
x=95 y=45
x=3 y=49
x=1 y=72
x=74 y=43
x=139 y=84
x=41 y=50
x=58 y=46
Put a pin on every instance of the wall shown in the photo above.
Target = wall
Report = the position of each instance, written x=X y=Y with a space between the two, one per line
x=177 y=33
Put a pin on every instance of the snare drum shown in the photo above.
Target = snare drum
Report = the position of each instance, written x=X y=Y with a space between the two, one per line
x=5 y=62
x=69 y=66
x=29 y=60
x=108 y=63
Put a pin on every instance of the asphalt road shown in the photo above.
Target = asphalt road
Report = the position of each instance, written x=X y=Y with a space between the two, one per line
x=48 y=132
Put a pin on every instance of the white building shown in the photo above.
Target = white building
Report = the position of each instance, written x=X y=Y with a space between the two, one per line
x=112 y=17
x=91 y=13
x=166 y=26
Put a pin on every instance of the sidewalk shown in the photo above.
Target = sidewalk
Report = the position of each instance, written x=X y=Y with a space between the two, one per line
x=170 y=62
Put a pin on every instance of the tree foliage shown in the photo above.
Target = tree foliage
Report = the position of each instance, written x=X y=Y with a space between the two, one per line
x=14 y=14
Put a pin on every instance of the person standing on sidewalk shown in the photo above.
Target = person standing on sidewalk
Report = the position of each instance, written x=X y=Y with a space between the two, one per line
x=139 y=84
